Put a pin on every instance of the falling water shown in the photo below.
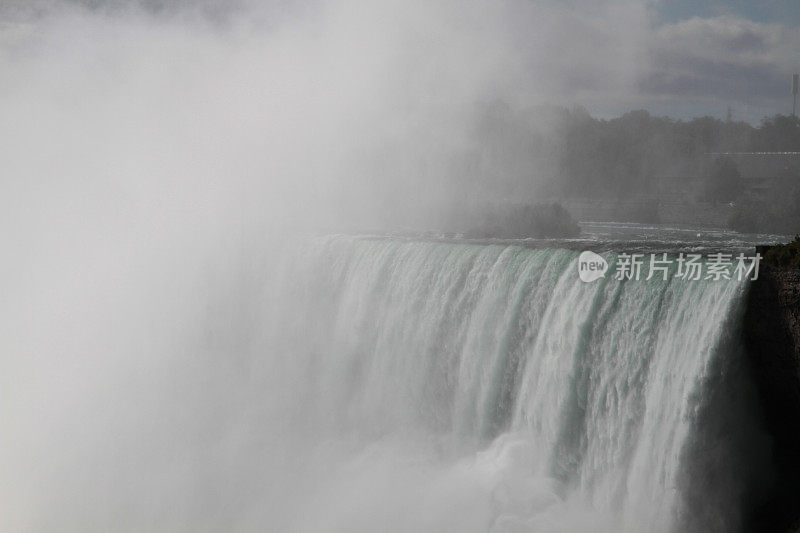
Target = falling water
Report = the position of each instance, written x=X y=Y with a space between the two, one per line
x=369 y=384
x=542 y=403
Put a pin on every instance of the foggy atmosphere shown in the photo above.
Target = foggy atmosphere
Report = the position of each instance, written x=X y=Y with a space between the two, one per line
x=436 y=266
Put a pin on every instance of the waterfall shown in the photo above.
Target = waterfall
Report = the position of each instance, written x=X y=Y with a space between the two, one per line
x=562 y=405
x=355 y=384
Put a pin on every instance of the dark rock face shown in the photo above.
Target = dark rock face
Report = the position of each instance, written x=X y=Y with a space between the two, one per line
x=771 y=333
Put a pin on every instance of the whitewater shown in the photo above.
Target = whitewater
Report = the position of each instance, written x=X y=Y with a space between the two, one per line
x=470 y=387
x=357 y=384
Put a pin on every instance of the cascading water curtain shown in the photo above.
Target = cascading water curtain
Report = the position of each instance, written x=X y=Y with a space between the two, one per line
x=571 y=404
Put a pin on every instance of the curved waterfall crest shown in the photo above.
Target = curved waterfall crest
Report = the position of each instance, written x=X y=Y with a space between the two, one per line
x=595 y=389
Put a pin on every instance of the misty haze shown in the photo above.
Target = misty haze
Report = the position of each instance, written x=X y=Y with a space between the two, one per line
x=439 y=266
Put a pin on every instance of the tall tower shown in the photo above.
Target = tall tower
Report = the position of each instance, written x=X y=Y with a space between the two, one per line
x=794 y=95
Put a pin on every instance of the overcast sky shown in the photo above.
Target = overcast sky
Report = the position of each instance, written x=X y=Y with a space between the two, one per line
x=681 y=58
x=707 y=52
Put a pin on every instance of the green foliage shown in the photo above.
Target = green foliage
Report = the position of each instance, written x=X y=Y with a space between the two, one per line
x=617 y=157
x=567 y=152
x=784 y=255
x=780 y=133
x=556 y=152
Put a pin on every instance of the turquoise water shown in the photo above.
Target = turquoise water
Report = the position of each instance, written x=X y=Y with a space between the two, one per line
x=566 y=405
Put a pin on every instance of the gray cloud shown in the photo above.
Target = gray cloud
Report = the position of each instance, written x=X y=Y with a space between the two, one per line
x=610 y=55
x=614 y=56
x=725 y=59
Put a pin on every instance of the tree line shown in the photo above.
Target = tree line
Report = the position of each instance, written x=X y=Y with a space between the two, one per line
x=555 y=152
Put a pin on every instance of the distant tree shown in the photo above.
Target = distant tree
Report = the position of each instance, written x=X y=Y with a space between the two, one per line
x=784 y=255
x=779 y=133
x=554 y=151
